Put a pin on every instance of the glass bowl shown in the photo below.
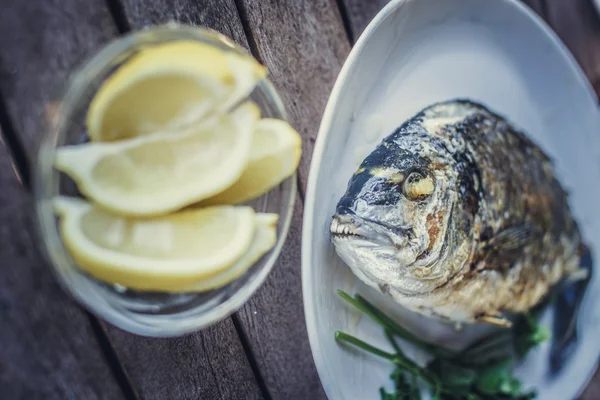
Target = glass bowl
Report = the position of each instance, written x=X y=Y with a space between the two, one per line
x=144 y=313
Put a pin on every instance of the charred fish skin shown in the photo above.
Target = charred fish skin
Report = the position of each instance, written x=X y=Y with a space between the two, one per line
x=459 y=215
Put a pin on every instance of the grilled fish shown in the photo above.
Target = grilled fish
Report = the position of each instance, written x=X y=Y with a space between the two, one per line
x=458 y=215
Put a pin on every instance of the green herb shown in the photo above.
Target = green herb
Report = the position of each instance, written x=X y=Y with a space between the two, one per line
x=389 y=324
x=482 y=371
x=529 y=334
x=406 y=387
x=344 y=337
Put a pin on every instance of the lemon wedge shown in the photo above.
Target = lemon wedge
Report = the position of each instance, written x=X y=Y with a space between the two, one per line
x=160 y=173
x=165 y=253
x=274 y=156
x=264 y=239
x=169 y=86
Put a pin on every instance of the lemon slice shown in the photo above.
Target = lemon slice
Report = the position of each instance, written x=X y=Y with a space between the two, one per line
x=274 y=156
x=264 y=239
x=156 y=174
x=165 y=253
x=169 y=86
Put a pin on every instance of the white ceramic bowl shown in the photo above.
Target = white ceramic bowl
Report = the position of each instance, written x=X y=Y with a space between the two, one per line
x=414 y=53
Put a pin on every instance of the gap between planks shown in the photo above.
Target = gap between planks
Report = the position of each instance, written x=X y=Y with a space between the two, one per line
x=115 y=7
x=15 y=149
x=346 y=21
x=30 y=70
x=22 y=170
x=272 y=320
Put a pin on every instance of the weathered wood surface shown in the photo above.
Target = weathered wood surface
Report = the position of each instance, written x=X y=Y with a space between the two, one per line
x=358 y=14
x=273 y=320
x=48 y=348
x=303 y=43
x=220 y=15
x=40 y=43
x=210 y=365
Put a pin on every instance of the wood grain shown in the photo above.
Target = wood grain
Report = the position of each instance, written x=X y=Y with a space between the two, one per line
x=211 y=364
x=278 y=40
x=41 y=41
x=592 y=392
x=206 y=365
x=48 y=347
x=536 y=5
x=303 y=43
x=359 y=13
x=51 y=352
x=220 y=15
x=274 y=322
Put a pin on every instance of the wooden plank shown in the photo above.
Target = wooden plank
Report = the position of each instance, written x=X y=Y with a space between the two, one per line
x=358 y=14
x=593 y=390
x=211 y=364
x=303 y=83
x=578 y=25
x=535 y=5
x=40 y=43
x=303 y=44
x=273 y=320
x=48 y=346
x=220 y=15
x=206 y=365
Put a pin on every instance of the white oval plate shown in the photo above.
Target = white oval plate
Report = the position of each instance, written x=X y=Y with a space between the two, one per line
x=415 y=53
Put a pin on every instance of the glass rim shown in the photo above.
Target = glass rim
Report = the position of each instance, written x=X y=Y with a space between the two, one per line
x=45 y=187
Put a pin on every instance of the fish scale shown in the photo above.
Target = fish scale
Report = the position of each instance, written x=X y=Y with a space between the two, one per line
x=492 y=238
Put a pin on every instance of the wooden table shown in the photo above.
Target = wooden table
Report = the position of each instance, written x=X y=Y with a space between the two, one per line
x=51 y=348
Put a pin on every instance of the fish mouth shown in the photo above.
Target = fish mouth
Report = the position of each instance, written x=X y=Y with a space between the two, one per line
x=351 y=226
x=345 y=227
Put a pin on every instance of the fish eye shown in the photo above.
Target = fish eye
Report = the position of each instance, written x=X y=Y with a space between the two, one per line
x=417 y=186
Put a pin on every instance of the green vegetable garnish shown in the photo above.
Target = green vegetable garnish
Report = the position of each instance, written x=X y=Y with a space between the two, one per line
x=482 y=371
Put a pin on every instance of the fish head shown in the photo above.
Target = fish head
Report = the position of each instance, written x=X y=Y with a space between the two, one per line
x=393 y=225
